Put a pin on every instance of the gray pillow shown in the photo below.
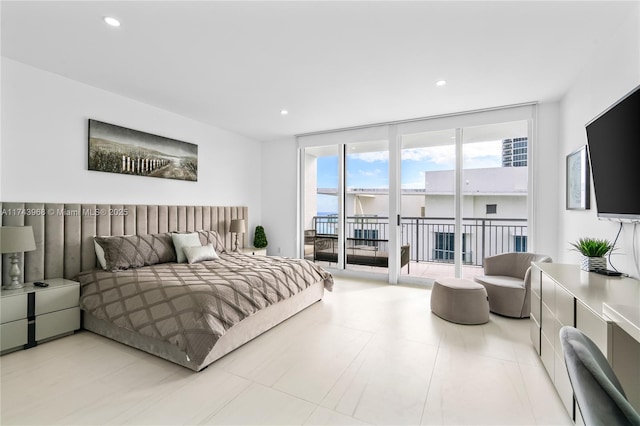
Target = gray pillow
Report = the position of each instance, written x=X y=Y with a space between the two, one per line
x=134 y=251
x=100 y=251
x=200 y=253
x=212 y=237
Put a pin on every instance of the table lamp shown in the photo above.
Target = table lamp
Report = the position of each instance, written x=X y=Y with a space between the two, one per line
x=237 y=226
x=14 y=240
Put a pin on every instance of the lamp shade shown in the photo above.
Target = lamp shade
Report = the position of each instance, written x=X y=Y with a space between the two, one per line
x=237 y=226
x=15 y=239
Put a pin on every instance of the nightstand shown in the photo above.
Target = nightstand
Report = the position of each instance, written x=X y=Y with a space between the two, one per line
x=254 y=251
x=32 y=315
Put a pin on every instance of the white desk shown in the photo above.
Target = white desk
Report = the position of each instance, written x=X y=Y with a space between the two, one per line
x=605 y=308
x=625 y=316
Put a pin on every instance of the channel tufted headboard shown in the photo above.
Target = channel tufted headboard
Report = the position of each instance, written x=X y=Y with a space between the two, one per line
x=64 y=232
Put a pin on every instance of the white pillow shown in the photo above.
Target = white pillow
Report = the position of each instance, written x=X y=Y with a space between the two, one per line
x=180 y=241
x=200 y=253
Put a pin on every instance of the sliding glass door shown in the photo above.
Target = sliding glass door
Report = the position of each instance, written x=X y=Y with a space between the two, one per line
x=367 y=206
x=322 y=204
x=419 y=199
x=495 y=182
x=428 y=163
x=345 y=193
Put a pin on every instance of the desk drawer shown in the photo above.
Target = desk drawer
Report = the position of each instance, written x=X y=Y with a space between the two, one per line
x=535 y=306
x=593 y=326
x=548 y=292
x=547 y=355
x=548 y=322
x=563 y=385
x=535 y=281
x=564 y=306
x=534 y=332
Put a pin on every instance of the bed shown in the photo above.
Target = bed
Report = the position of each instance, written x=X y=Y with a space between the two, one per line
x=190 y=314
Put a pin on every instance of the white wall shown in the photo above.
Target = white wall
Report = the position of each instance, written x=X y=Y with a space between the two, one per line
x=44 y=148
x=546 y=185
x=613 y=71
x=279 y=194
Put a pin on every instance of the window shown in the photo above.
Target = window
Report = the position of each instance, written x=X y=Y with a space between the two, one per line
x=492 y=208
x=367 y=235
x=520 y=242
x=444 y=246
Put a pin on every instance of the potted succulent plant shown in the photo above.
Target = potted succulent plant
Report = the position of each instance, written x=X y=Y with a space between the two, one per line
x=593 y=251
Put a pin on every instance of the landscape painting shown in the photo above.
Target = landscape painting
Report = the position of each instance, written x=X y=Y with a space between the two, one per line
x=116 y=149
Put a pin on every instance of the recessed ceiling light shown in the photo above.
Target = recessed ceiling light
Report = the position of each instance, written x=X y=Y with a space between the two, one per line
x=111 y=21
x=441 y=82
x=284 y=112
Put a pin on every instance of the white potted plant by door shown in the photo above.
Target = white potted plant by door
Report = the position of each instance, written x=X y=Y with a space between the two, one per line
x=593 y=251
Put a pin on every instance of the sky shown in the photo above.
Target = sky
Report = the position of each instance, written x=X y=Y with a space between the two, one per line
x=371 y=169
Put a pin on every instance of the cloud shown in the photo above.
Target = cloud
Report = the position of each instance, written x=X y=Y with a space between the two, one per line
x=370 y=173
x=436 y=154
x=477 y=154
x=371 y=157
x=482 y=149
x=480 y=154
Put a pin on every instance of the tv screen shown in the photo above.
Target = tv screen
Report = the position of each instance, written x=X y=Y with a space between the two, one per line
x=613 y=139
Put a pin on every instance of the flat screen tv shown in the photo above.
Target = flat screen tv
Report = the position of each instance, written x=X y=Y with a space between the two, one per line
x=613 y=139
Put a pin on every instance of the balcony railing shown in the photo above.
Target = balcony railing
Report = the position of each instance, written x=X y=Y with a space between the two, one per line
x=431 y=239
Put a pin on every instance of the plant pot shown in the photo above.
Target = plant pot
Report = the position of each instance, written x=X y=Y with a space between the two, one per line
x=592 y=263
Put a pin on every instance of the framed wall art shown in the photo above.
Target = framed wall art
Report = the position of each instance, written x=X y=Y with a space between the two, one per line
x=116 y=149
x=578 y=180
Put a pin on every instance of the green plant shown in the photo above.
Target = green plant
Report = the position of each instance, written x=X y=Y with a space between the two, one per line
x=260 y=238
x=593 y=247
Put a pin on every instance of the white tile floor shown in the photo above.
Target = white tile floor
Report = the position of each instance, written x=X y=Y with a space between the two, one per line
x=369 y=353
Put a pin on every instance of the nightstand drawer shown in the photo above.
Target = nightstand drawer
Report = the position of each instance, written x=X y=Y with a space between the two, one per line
x=56 y=323
x=13 y=334
x=13 y=308
x=56 y=299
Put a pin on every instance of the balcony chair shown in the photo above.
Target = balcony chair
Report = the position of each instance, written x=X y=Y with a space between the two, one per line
x=597 y=391
x=507 y=279
x=309 y=239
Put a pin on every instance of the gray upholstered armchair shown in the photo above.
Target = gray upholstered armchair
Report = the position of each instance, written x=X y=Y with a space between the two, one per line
x=507 y=279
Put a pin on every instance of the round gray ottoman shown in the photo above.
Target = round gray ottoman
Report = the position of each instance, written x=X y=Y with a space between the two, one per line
x=460 y=301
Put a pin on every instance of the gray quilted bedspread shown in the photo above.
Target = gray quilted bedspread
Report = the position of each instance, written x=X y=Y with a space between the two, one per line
x=192 y=306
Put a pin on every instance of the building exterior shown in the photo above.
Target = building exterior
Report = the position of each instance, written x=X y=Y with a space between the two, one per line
x=514 y=152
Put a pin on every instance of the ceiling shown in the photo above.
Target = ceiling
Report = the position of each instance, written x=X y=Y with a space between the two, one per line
x=331 y=64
